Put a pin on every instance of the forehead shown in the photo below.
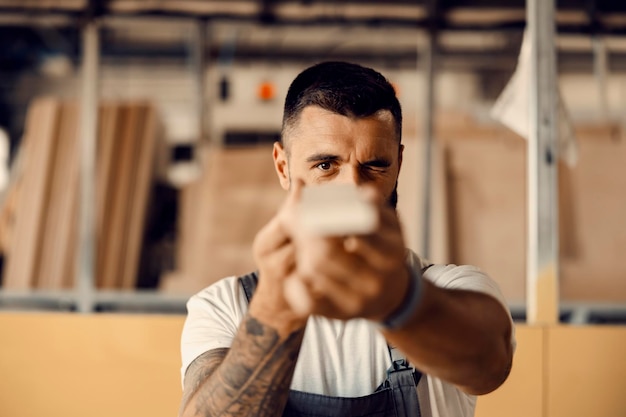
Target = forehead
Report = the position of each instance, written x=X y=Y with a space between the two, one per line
x=318 y=127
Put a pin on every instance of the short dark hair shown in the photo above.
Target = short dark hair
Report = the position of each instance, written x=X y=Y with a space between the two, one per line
x=344 y=88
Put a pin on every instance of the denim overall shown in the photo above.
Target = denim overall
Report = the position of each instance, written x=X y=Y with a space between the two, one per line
x=395 y=397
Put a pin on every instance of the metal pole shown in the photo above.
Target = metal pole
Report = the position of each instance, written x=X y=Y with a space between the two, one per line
x=543 y=246
x=88 y=136
x=200 y=65
x=428 y=58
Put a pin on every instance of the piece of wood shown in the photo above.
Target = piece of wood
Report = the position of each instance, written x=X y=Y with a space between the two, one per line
x=108 y=142
x=123 y=182
x=60 y=215
x=136 y=219
x=112 y=127
x=69 y=263
x=39 y=142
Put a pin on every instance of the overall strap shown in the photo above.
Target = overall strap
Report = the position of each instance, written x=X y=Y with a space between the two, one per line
x=399 y=362
x=249 y=283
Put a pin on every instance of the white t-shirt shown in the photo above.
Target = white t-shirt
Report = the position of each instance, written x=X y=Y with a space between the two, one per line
x=337 y=358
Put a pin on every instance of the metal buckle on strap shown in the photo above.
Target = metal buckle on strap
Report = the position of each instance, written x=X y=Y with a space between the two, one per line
x=400 y=365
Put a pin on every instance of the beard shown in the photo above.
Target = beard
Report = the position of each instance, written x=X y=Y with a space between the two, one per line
x=393 y=198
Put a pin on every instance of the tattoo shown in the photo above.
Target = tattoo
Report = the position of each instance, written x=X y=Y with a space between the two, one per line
x=252 y=378
x=199 y=370
x=253 y=327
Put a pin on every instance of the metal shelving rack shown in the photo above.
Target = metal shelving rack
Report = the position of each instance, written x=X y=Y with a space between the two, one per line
x=425 y=16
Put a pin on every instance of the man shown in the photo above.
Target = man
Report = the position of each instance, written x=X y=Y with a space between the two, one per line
x=363 y=298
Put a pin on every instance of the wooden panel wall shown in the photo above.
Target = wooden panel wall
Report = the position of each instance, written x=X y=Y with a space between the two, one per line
x=486 y=182
x=587 y=371
x=70 y=365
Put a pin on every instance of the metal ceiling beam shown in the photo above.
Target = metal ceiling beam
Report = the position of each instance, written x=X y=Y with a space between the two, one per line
x=599 y=25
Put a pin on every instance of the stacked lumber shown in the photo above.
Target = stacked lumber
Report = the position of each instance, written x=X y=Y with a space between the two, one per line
x=40 y=213
x=127 y=149
x=219 y=215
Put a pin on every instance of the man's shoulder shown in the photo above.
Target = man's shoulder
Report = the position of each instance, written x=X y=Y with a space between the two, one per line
x=219 y=285
x=225 y=290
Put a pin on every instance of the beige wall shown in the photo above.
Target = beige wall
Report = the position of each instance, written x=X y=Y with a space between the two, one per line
x=72 y=365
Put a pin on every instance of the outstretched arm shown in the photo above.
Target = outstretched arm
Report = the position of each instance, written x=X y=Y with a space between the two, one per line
x=253 y=377
x=463 y=337
x=250 y=379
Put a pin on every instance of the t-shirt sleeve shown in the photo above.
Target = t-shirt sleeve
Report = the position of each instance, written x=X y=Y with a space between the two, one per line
x=213 y=317
x=462 y=277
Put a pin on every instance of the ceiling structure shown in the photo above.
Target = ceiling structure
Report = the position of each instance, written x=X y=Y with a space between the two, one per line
x=606 y=16
x=475 y=35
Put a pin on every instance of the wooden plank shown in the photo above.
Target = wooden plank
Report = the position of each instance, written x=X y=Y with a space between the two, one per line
x=70 y=264
x=139 y=199
x=131 y=181
x=68 y=257
x=113 y=123
x=62 y=197
x=39 y=140
x=115 y=233
x=110 y=130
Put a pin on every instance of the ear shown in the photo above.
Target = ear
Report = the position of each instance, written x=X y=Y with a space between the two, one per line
x=281 y=164
x=400 y=153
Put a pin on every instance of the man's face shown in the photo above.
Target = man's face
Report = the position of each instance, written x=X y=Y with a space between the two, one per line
x=325 y=147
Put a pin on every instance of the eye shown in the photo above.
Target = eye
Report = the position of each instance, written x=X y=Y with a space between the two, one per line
x=324 y=166
x=375 y=169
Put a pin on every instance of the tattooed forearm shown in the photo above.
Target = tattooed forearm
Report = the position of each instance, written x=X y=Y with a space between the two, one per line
x=252 y=380
x=199 y=370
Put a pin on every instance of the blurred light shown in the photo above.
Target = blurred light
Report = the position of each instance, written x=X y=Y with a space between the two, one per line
x=56 y=66
x=266 y=91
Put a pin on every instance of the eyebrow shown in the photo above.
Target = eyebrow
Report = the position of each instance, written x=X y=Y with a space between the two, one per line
x=322 y=157
x=326 y=157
